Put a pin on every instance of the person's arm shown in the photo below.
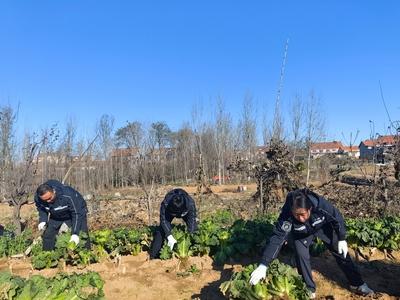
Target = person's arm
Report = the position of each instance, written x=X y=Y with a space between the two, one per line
x=43 y=214
x=164 y=222
x=334 y=217
x=280 y=234
x=190 y=218
x=77 y=207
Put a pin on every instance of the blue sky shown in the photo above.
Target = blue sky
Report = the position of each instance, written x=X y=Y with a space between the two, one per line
x=152 y=60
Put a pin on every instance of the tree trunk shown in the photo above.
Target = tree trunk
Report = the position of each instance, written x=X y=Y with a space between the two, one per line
x=149 y=201
x=308 y=166
x=17 y=218
x=219 y=173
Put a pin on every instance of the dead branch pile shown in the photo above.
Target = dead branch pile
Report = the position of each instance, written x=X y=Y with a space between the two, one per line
x=380 y=197
x=276 y=176
x=396 y=159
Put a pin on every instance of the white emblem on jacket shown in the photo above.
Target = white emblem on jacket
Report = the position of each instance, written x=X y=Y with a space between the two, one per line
x=318 y=221
x=60 y=207
x=300 y=228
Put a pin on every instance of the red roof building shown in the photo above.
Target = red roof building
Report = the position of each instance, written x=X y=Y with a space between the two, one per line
x=373 y=148
x=334 y=147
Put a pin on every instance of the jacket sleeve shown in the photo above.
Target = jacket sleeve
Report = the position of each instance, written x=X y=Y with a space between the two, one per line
x=77 y=207
x=280 y=234
x=190 y=218
x=43 y=215
x=334 y=217
x=164 y=223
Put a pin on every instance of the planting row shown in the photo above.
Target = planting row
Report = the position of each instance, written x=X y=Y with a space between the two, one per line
x=221 y=239
x=281 y=282
x=62 y=286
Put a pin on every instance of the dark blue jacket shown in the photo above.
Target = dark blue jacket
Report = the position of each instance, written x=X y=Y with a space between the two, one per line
x=188 y=214
x=68 y=205
x=323 y=213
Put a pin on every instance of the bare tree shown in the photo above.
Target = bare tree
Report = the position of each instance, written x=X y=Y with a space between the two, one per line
x=198 y=127
x=184 y=150
x=296 y=116
x=17 y=175
x=67 y=145
x=130 y=135
x=266 y=128
x=161 y=134
x=149 y=170
x=48 y=162
x=223 y=125
x=105 y=128
x=21 y=181
x=7 y=144
x=315 y=126
x=79 y=159
x=247 y=128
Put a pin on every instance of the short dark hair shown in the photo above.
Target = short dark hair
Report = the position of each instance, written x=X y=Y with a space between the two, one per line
x=301 y=200
x=43 y=189
x=177 y=203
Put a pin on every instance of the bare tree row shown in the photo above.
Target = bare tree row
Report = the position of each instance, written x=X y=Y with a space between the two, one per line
x=138 y=153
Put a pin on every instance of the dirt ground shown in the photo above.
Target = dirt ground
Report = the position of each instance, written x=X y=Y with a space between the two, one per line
x=136 y=277
x=127 y=207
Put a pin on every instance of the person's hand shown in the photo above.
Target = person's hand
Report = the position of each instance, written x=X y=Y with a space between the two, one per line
x=41 y=226
x=258 y=274
x=74 y=238
x=171 y=241
x=342 y=248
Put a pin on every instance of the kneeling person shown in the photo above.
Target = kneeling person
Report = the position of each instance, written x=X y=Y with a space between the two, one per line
x=304 y=217
x=176 y=204
x=57 y=204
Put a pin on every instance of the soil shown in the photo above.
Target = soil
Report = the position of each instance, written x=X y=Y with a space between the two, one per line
x=136 y=277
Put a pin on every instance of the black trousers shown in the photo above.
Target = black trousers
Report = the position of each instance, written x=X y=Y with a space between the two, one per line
x=330 y=239
x=159 y=237
x=156 y=245
x=52 y=228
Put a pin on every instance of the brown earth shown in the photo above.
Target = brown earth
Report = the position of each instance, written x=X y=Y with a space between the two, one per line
x=136 y=277
x=129 y=207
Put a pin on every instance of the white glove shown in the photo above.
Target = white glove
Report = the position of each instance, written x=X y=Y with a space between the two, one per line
x=258 y=274
x=171 y=241
x=342 y=248
x=41 y=226
x=75 y=239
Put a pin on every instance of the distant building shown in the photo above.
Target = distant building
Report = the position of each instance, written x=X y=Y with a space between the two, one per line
x=134 y=153
x=376 y=149
x=56 y=158
x=353 y=151
x=319 y=149
x=125 y=153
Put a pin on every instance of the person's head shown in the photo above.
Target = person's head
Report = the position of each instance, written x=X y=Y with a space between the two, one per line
x=46 y=193
x=177 y=204
x=301 y=206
